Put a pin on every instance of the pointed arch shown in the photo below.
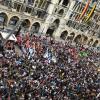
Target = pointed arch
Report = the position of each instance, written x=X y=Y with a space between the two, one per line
x=95 y=43
x=56 y=23
x=78 y=39
x=64 y=34
x=35 y=27
x=61 y=12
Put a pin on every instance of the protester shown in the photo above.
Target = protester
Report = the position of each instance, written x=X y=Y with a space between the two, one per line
x=49 y=70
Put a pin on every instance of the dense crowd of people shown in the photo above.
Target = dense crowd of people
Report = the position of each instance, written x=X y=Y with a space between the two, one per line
x=47 y=69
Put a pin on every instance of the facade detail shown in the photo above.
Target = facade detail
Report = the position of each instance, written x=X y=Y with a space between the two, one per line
x=58 y=18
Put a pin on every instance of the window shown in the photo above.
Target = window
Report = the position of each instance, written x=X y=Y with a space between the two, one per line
x=18 y=7
x=46 y=5
x=28 y=10
x=65 y=2
x=15 y=5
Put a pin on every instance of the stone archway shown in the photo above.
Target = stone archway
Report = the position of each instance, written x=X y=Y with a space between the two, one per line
x=78 y=39
x=64 y=35
x=71 y=36
x=84 y=39
x=13 y=20
x=53 y=27
x=35 y=27
x=90 y=42
x=26 y=23
x=3 y=19
x=95 y=43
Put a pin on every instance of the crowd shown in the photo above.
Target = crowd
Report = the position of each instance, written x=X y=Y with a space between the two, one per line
x=47 y=69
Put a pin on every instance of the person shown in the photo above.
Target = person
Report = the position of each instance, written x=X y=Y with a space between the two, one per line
x=1 y=48
x=35 y=79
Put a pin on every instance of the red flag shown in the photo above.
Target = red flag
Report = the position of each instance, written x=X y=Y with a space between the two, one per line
x=85 y=9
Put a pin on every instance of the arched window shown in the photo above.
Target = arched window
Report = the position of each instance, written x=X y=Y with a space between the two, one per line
x=64 y=35
x=78 y=39
x=3 y=18
x=61 y=12
x=95 y=43
x=35 y=27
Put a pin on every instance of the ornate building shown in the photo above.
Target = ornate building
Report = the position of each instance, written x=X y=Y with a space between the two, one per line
x=58 y=18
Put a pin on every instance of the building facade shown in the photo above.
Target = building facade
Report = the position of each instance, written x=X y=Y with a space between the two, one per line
x=58 y=18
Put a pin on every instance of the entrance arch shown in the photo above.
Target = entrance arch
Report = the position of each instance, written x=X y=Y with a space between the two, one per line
x=3 y=19
x=13 y=20
x=64 y=35
x=35 y=27
x=26 y=23
x=78 y=39
x=53 y=27
x=95 y=43
x=71 y=36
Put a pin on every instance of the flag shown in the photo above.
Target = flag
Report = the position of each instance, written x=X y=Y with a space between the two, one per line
x=91 y=12
x=85 y=9
x=83 y=54
x=81 y=2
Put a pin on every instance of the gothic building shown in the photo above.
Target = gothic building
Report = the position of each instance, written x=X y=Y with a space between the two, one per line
x=58 y=18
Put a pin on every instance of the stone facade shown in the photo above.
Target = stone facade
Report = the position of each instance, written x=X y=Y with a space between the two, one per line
x=58 y=18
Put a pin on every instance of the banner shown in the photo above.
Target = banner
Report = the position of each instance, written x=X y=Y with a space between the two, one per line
x=81 y=2
x=85 y=9
x=91 y=12
x=83 y=54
